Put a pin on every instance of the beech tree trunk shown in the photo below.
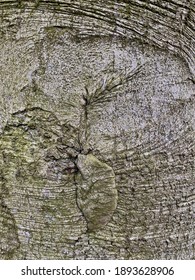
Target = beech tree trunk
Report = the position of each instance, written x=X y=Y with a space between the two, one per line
x=97 y=129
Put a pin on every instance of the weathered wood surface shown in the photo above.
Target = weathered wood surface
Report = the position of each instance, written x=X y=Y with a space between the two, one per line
x=97 y=129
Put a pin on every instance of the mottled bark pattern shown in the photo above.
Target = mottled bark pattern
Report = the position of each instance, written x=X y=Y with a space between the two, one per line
x=97 y=129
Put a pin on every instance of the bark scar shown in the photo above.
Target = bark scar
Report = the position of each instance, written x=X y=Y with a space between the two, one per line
x=96 y=191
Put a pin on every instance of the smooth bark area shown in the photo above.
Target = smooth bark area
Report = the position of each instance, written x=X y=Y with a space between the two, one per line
x=97 y=126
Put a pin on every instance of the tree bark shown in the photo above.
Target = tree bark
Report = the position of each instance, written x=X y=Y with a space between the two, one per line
x=97 y=129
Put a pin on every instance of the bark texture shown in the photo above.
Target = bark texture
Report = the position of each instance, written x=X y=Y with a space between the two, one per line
x=97 y=114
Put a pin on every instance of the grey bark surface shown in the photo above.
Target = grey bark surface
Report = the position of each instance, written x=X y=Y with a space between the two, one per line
x=97 y=114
